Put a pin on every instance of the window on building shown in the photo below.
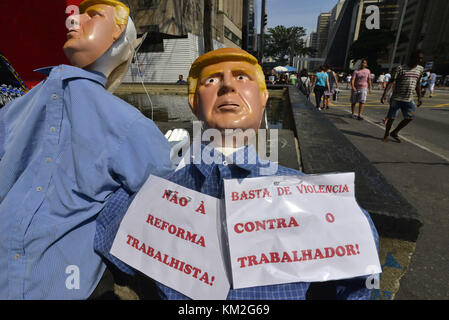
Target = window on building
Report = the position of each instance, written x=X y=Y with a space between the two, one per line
x=232 y=37
x=146 y=4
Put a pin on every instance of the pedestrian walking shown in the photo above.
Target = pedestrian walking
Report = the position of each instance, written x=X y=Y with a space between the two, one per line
x=381 y=81
x=348 y=80
x=293 y=78
x=320 y=83
x=333 y=84
x=424 y=83
x=361 y=82
x=387 y=79
x=432 y=81
x=405 y=79
x=304 y=83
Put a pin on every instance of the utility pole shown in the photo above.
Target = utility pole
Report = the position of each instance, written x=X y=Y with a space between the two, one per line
x=207 y=26
x=245 y=26
x=263 y=23
x=398 y=34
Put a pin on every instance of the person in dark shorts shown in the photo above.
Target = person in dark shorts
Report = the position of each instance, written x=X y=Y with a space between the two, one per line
x=405 y=79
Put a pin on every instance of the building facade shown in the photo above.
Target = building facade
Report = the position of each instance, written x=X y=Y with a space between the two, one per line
x=425 y=27
x=174 y=35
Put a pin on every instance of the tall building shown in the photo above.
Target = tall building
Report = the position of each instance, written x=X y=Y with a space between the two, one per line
x=425 y=27
x=174 y=38
x=351 y=24
x=335 y=13
x=312 y=42
x=433 y=38
x=322 y=30
x=229 y=14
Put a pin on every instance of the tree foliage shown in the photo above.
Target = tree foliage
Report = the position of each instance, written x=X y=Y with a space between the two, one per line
x=281 y=42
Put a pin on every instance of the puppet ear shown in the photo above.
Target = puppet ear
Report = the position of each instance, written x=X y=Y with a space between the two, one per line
x=265 y=95
x=193 y=103
x=118 y=32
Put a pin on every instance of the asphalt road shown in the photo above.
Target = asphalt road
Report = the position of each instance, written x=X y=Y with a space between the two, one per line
x=419 y=169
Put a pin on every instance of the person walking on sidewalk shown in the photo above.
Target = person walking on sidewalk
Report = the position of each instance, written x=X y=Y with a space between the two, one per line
x=304 y=84
x=361 y=81
x=432 y=81
x=333 y=84
x=381 y=81
x=321 y=83
x=405 y=79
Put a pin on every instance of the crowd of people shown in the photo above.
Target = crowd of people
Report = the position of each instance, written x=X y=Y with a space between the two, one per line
x=398 y=85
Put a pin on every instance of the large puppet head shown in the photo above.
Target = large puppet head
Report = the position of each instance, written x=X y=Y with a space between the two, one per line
x=227 y=90
x=102 y=38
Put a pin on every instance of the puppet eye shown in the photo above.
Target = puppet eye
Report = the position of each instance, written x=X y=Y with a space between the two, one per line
x=211 y=80
x=242 y=77
x=93 y=13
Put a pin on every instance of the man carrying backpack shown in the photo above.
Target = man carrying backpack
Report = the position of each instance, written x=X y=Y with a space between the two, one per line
x=304 y=84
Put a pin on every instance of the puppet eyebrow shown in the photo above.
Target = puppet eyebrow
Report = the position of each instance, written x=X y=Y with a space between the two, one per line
x=96 y=8
x=235 y=72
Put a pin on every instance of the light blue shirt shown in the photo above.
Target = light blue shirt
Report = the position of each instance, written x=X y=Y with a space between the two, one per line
x=321 y=78
x=65 y=147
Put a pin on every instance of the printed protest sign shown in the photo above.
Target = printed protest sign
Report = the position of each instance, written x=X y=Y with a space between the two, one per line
x=170 y=233
x=297 y=228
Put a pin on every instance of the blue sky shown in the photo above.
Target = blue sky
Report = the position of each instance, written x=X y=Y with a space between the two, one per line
x=302 y=13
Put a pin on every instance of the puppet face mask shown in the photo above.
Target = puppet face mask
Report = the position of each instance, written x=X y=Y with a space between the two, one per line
x=96 y=33
x=228 y=96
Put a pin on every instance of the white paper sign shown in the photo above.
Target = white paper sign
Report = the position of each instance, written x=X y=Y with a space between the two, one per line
x=170 y=233
x=297 y=228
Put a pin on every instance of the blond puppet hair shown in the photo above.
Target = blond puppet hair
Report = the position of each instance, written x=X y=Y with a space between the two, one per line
x=122 y=19
x=121 y=10
x=222 y=55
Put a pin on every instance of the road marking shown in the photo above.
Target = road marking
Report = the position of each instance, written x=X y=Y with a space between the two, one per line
x=404 y=138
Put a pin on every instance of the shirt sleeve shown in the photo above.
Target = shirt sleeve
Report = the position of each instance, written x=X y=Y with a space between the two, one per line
x=142 y=151
x=107 y=225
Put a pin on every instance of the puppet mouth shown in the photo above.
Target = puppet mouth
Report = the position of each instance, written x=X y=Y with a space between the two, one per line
x=228 y=105
x=72 y=33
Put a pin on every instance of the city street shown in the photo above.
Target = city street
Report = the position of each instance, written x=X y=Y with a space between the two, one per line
x=419 y=169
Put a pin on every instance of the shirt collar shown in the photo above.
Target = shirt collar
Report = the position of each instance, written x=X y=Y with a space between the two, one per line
x=71 y=72
x=245 y=158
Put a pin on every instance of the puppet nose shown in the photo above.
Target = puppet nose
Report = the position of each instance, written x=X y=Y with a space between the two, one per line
x=228 y=83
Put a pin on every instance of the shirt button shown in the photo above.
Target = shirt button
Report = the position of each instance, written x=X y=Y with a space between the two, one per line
x=52 y=129
x=16 y=256
x=225 y=163
x=54 y=96
x=39 y=189
x=48 y=160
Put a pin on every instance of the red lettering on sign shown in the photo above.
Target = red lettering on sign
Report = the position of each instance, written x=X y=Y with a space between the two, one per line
x=250 y=194
x=170 y=262
x=177 y=231
x=292 y=256
x=270 y=224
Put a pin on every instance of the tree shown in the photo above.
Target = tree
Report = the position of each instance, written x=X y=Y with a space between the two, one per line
x=283 y=43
